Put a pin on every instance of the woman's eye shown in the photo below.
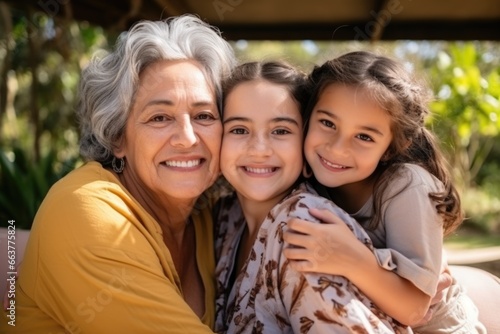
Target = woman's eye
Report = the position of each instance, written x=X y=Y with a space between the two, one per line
x=159 y=118
x=327 y=123
x=364 y=137
x=205 y=116
x=238 y=131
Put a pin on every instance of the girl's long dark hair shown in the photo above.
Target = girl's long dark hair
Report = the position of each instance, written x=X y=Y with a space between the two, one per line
x=394 y=90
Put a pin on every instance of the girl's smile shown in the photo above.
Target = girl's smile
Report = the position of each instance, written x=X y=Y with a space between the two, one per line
x=347 y=137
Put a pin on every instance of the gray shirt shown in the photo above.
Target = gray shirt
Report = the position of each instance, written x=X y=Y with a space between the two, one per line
x=411 y=229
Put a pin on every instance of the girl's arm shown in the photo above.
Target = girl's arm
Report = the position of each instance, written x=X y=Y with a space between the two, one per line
x=334 y=249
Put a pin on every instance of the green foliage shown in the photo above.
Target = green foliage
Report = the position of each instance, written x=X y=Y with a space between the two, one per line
x=482 y=210
x=24 y=184
x=467 y=113
x=488 y=177
x=46 y=57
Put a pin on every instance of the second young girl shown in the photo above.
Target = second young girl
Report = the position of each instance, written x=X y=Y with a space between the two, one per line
x=371 y=154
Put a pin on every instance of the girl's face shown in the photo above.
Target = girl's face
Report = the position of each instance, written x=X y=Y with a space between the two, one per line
x=347 y=137
x=261 y=153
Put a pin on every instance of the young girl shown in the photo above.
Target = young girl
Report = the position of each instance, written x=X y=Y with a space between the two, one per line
x=371 y=154
x=261 y=157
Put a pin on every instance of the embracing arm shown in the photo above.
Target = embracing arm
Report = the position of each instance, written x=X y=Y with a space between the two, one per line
x=320 y=303
x=334 y=249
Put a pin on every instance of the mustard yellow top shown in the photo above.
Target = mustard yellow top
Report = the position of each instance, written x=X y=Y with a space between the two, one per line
x=96 y=263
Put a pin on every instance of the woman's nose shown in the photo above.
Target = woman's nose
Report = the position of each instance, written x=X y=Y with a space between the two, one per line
x=184 y=135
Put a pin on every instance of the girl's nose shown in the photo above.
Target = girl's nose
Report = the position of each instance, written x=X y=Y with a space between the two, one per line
x=338 y=145
x=260 y=145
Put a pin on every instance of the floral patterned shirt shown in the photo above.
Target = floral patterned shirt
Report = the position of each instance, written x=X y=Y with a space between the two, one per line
x=268 y=296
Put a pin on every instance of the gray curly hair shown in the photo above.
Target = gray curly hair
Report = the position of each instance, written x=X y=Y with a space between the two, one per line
x=108 y=85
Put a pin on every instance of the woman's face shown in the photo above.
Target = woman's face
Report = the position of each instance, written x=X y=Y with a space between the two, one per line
x=173 y=134
x=262 y=145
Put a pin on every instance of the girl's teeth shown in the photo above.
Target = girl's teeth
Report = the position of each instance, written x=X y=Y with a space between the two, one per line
x=259 y=170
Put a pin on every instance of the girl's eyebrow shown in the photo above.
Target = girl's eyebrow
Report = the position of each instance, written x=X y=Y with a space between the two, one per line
x=373 y=130
x=236 y=119
x=327 y=113
x=364 y=127
x=274 y=120
x=285 y=119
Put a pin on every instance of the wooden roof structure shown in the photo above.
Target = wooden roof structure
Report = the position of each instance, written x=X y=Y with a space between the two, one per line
x=298 y=19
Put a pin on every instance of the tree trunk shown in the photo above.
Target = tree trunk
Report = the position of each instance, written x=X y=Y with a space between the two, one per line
x=4 y=70
x=35 y=110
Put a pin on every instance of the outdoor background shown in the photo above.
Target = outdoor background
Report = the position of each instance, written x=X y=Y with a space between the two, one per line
x=40 y=62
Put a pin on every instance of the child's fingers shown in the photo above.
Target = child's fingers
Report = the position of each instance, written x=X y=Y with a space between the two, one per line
x=302 y=266
x=325 y=216
x=295 y=253
x=296 y=239
x=301 y=225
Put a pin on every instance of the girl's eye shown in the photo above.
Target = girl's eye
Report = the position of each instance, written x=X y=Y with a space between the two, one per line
x=327 y=123
x=238 y=131
x=364 y=137
x=280 y=132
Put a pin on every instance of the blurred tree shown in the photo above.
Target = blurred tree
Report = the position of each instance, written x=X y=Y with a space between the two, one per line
x=39 y=74
x=467 y=109
x=41 y=58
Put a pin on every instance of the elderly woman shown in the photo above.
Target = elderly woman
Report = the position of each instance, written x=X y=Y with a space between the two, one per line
x=116 y=246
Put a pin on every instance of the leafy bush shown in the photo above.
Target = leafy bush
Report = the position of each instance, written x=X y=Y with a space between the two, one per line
x=24 y=184
x=482 y=210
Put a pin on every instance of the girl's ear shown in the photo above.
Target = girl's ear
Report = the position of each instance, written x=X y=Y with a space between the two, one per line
x=306 y=170
x=386 y=157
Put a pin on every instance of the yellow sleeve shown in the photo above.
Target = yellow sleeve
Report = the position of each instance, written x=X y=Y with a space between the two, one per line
x=91 y=267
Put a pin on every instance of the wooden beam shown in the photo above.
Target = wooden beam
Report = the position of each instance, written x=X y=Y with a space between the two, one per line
x=347 y=31
x=173 y=7
x=380 y=19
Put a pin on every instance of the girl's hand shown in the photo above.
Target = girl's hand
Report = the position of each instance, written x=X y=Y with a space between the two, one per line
x=445 y=281
x=329 y=248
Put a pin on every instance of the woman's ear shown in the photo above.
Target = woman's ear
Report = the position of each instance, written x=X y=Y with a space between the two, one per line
x=119 y=148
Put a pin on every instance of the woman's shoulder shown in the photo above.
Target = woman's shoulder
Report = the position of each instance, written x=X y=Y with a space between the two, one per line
x=87 y=176
x=88 y=183
x=87 y=197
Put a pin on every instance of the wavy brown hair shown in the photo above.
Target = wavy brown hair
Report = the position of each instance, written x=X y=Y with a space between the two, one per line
x=392 y=87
